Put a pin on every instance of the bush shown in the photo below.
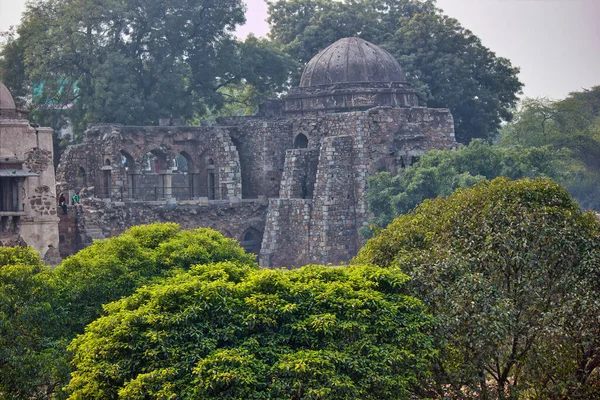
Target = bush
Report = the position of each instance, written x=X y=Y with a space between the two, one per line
x=229 y=331
x=116 y=267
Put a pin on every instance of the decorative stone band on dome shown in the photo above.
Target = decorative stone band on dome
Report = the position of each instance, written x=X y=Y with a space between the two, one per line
x=352 y=60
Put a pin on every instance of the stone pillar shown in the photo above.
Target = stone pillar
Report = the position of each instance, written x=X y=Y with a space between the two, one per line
x=166 y=178
x=333 y=231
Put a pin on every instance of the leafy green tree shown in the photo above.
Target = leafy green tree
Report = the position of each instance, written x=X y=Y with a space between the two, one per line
x=447 y=63
x=571 y=125
x=134 y=61
x=116 y=267
x=229 y=331
x=510 y=270
x=32 y=361
x=440 y=173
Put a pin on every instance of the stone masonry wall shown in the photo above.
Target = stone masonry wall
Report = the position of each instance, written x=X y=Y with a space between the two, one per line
x=261 y=144
x=286 y=240
x=299 y=164
x=98 y=219
x=333 y=231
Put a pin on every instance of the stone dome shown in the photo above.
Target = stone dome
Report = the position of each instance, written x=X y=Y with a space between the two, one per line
x=352 y=60
x=6 y=100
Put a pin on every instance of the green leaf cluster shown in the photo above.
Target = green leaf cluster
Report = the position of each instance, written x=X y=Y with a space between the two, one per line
x=570 y=125
x=510 y=271
x=447 y=63
x=133 y=62
x=116 y=267
x=42 y=310
x=32 y=362
x=229 y=331
x=440 y=172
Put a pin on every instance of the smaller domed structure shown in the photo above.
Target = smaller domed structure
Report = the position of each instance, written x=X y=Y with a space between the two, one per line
x=350 y=75
x=8 y=109
x=6 y=100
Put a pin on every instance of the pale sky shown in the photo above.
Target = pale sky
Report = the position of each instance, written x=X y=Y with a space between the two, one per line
x=556 y=43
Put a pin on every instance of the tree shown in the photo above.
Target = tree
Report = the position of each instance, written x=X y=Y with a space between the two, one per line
x=440 y=172
x=510 y=270
x=229 y=331
x=32 y=362
x=571 y=125
x=447 y=63
x=116 y=267
x=133 y=61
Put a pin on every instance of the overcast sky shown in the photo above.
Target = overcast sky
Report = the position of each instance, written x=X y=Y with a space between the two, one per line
x=556 y=43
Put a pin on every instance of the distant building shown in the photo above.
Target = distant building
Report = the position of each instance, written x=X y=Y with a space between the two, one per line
x=288 y=183
x=27 y=184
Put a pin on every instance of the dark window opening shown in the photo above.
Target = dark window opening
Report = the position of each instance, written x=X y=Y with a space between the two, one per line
x=301 y=142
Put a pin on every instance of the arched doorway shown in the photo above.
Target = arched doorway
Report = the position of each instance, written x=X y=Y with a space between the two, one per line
x=155 y=179
x=252 y=241
x=301 y=142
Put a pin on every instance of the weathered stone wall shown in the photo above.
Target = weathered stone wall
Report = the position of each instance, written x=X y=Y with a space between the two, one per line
x=333 y=232
x=98 y=219
x=300 y=164
x=286 y=240
x=344 y=97
x=111 y=157
x=36 y=222
x=262 y=144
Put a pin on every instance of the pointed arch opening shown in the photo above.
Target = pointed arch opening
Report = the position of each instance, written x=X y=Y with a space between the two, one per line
x=301 y=141
x=252 y=241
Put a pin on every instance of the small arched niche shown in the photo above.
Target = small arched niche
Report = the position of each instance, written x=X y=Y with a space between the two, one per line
x=252 y=241
x=301 y=141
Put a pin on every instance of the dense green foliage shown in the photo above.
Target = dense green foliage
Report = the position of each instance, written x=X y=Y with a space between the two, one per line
x=440 y=173
x=41 y=311
x=446 y=62
x=510 y=269
x=32 y=356
x=133 y=61
x=116 y=267
x=227 y=331
x=571 y=125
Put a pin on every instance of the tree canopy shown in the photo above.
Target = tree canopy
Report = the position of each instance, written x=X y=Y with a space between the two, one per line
x=447 y=63
x=133 y=61
x=227 y=331
x=510 y=270
x=32 y=356
x=570 y=125
x=441 y=172
x=116 y=267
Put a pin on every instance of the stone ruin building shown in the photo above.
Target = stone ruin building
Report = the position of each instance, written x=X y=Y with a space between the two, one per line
x=27 y=185
x=288 y=183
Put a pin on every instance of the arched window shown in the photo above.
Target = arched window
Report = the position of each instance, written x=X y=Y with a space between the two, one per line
x=301 y=142
x=252 y=241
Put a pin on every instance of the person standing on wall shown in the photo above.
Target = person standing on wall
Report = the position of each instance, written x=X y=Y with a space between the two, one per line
x=62 y=201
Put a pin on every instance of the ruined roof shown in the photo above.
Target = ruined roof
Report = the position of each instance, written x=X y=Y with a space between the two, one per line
x=6 y=100
x=352 y=60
